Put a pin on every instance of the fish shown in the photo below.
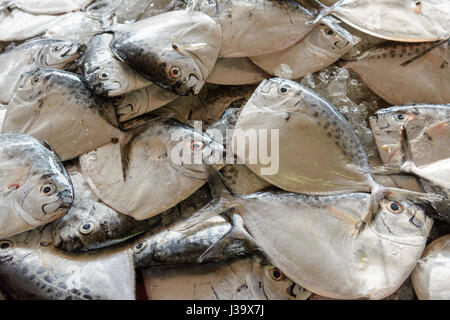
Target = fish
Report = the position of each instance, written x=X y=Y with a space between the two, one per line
x=136 y=103
x=396 y=20
x=104 y=73
x=414 y=139
x=175 y=50
x=236 y=71
x=394 y=74
x=431 y=274
x=242 y=180
x=32 y=268
x=90 y=224
x=39 y=7
x=158 y=166
x=302 y=119
x=297 y=233
x=47 y=53
x=257 y=27
x=35 y=188
x=247 y=278
x=324 y=45
x=58 y=107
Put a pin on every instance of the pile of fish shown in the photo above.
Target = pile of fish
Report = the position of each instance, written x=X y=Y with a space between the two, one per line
x=226 y=149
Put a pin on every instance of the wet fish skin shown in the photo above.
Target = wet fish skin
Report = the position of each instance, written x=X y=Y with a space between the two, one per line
x=390 y=71
x=84 y=120
x=104 y=73
x=35 y=188
x=48 y=6
x=47 y=53
x=31 y=268
x=236 y=71
x=90 y=224
x=175 y=50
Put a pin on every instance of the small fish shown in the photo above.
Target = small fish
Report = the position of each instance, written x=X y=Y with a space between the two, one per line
x=46 y=53
x=133 y=104
x=257 y=27
x=31 y=268
x=35 y=189
x=393 y=72
x=58 y=107
x=39 y=7
x=247 y=278
x=324 y=45
x=175 y=50
x=159 y=154
x=236 y=71
x=297 y=233
x=92 y=225
x=431 y=276
x=104 y=73
x=414 y=139
x=396 y=20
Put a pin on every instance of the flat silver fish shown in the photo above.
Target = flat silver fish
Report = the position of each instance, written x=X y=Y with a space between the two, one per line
x=35 y=189
x=175 y=50
x=46 y=53
x=392 y=72
x=236 y=71
x=58 y=107
x=39 y=7
x=31 y=268
x=431 y=276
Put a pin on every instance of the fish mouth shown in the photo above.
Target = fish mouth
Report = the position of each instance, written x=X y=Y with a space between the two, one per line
x=63 y=240
x=60 y=206
x=337 y=44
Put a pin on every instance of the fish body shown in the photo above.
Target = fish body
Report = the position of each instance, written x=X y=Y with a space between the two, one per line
x=31 y=268
x=242 y=180
x=424 y=80
x=324 y=45
x=39 y=7
x=158 y=173
x=92 y=225
x=45 y=53
x=397 y=20
x=431 y=276
x=236 y=71
x=35 y=189
x=257 y=27
x=175 y=50
x=58 y=107
x=104 y=73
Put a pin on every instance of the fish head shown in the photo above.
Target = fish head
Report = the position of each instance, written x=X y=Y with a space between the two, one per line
x=403 y=222
x=6 y=250
x=331 y=39
x=277 y=285
x=387 y=125
x=47 y=192
x=143 y=250
x=59 y=53
x=33 y=85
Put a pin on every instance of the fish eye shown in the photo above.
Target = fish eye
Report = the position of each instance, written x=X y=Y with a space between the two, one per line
x=394 y=207
x=400 y=116
x=284 y=89
x=197 y=145
x=35 y=79
x=48 y=189
x=175 y=72
x=328 y=31
x=5 y=244
x=57 y=48
x=139 y=247
x=86 y=227
x=276 y=274
x=103 y=75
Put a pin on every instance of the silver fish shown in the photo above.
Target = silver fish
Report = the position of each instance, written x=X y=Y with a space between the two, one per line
x=175 y=50
x=31 y=268
x=400 y=74
x=35 y=189
x=39 y=7
x=104 y=73
x=92 y=225
x=236 y=71
x=57 y=106
x=46 y=53
x=431 y=276
x=255 y=27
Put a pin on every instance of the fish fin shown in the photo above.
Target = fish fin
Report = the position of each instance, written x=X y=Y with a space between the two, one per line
x=236 y=232
x=424 y=52
x=352 y=222
x=222 y=200
x=324 y=12
x=439 y=131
